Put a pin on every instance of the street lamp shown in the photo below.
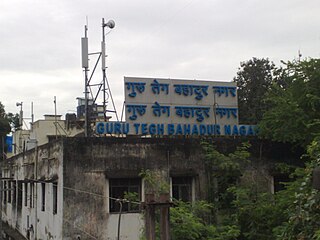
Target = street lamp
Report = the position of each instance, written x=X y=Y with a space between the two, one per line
x=110 y=24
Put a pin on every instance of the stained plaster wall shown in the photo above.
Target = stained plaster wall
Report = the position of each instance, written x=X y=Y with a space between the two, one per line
x=82 y=167
x=40 y=165
x=89 y=163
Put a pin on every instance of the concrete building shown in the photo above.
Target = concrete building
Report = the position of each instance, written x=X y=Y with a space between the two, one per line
x=59 y=185
x=67 y=188
x=44 y=130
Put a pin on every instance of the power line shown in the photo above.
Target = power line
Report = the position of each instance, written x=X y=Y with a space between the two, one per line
x=124 y=200
x=120 y=200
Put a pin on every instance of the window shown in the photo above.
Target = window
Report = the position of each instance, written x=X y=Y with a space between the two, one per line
x=43 y=196
x=55 y=198
x=14 y=195
x=119 y=187
x=182 y=188
x=9 y=191
x=279 y=182
x=25 y=194
x=4 y=192
x=31 y=195
x=20 y=194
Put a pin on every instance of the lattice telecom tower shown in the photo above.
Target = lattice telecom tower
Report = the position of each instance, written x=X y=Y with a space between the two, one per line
x=93 y=91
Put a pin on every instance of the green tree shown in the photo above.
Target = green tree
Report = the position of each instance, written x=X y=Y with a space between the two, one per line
x=301 y=203
x=290 y=214
x=14 y=120
x=4 y=129
x=192 y=221
x=246 y=210
x=224 y=171
x=289 y=112
x=253 y=80
x=294 y=113
x=188 y=223
x=256 y=213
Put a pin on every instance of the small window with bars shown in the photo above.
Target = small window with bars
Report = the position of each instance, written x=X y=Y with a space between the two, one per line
x=182 y=188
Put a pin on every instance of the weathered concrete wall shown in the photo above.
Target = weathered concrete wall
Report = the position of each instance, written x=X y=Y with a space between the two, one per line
x=97 y=159
x=37 y=166
x=82 y=168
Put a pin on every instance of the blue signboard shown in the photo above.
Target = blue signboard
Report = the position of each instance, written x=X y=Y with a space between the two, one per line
x=117 y=128
x=9 y=144
x=173 y=107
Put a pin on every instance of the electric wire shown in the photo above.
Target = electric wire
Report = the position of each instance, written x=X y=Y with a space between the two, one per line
x=83 y=231
x=120 y=200
x=63 y=218
x=124 y=200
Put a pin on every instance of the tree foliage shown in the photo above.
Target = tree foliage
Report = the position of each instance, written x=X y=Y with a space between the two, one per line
x=4 y=128
x=286 y=103
x=290 y=214
x=256 y=213
x=14 y=120
x=294 y=113
x=188 y=223
x=253 y=80
x=301 y=202
x=223 y=171
x=193 y=221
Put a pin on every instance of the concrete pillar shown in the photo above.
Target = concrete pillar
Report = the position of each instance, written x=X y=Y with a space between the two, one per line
x=150 y=222
x=164 y=222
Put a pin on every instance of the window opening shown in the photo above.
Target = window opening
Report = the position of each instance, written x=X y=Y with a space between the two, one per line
x=14 y=197
x=118 y=188
x=55 y=197
x=20 y=194
x=25 y=194
x=43 y=196
x=182 y=188
x=4 y=192
x=31 y=195
x=9 y=191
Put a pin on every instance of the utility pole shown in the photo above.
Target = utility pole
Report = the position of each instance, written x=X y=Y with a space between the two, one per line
x=150 y=221
x=164 y=222
x=150 y=206
x=110 y=24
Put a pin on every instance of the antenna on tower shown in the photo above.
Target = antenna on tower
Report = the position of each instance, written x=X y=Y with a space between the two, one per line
x=85 y=65
x=93 y=110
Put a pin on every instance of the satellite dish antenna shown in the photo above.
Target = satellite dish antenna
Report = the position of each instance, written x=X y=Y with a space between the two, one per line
x=110 y=24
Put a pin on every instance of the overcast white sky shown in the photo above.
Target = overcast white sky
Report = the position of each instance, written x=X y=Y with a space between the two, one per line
x=40 y=51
